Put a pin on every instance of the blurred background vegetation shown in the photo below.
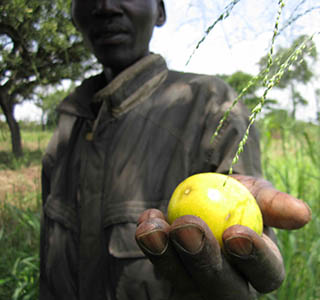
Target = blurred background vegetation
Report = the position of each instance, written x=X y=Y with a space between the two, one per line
x=39 y=47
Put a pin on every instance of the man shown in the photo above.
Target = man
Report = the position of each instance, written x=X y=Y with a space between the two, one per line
x=125 y=139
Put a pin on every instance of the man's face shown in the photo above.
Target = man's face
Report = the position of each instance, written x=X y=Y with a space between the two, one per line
x=118 y=31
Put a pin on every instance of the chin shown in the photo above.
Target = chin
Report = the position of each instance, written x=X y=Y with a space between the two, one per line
x=117 y=61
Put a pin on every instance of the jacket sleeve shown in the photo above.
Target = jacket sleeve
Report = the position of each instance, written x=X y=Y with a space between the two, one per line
x=222 y=148
x=248 y=161
x=47 y=164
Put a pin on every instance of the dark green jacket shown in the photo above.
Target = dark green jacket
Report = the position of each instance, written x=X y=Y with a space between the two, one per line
x=100 y=173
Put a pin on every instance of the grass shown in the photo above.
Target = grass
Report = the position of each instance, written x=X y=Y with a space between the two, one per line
x=34 y=141
x=20 y=207
x=291 y=161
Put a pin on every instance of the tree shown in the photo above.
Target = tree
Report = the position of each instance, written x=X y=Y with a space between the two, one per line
x=240 y=81
x=300 y=70
x=38 y=47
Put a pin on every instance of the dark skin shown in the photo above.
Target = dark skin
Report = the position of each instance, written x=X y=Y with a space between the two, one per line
x=118 y=32
x=189 y=246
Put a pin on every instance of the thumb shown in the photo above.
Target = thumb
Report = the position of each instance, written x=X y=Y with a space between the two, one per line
x=278 y=209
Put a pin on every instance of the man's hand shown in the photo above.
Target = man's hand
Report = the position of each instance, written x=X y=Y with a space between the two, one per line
x=187 y=253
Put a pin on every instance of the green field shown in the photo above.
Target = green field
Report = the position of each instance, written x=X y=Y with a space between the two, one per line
x=291 y=161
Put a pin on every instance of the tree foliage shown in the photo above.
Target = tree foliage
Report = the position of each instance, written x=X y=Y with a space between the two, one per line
x=300 y=70
x=39 y=46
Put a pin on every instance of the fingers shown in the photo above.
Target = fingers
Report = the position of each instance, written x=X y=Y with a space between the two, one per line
x=278 y=209
x=257 y=258
x=151 y=214
x=201 y=255
x=152 y=235
x=188 y=254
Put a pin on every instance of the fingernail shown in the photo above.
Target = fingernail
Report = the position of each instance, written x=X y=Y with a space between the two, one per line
x=239 y=246
x=190 y=238
x=155 y=242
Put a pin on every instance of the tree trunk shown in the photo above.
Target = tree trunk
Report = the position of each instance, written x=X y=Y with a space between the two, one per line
x=8 y=110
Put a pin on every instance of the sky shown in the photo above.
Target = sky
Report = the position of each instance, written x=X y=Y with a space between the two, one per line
x=236 y=43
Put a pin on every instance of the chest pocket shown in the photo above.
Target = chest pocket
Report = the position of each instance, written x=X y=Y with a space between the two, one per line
x=132 y=275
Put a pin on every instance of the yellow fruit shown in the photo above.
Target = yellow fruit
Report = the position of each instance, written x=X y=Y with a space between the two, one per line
x=219 y=200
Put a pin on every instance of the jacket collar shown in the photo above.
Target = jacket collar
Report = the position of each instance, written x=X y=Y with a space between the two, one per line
x=124 y=92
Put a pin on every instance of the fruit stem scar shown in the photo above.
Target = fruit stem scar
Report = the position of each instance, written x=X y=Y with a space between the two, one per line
x=187 y=191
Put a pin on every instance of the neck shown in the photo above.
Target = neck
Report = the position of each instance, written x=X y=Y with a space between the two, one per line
x=111 y=72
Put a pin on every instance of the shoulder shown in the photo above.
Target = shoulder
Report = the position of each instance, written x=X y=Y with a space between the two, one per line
x=49 y=156
x=215 y=92
x=202 y=81
x=78 y=101
x=58 y=141
x=209 y=85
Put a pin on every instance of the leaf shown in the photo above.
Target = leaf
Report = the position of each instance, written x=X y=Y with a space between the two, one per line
x=4 y=281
